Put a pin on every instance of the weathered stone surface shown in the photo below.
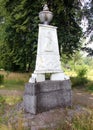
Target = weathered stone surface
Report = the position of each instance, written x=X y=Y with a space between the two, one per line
x=59 y=76
x=43 y=96
x=47 y=86
x=30 y=102
x=50 y=100
x=48 y=57
x=30 y=89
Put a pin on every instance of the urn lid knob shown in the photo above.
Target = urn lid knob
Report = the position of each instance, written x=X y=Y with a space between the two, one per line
x=45 y=8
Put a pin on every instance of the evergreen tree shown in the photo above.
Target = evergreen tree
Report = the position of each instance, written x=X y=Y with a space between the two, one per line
x=22 y=30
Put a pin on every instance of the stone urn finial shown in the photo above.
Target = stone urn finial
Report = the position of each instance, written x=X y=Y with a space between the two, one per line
x=45 y=8
x=45 y=15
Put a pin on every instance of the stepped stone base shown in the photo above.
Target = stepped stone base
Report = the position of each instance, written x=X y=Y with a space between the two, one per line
x=43 y=96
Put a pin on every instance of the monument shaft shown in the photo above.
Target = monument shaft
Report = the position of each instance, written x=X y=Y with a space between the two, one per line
x=48 y=59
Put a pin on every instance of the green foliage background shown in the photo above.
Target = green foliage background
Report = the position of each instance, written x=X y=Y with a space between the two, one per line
x=19 y=34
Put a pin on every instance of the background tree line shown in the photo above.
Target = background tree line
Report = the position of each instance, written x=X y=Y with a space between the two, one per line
x=19 y=30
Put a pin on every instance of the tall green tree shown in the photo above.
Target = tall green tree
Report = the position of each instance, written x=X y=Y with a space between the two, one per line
x=87 y=12
x=22 y=29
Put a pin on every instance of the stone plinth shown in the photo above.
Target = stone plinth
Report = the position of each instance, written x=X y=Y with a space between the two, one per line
x=43 y=96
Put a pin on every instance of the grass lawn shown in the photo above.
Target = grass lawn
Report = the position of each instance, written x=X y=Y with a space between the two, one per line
x=14 y=81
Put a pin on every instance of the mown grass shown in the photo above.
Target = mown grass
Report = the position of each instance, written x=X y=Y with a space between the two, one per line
x=14 y=81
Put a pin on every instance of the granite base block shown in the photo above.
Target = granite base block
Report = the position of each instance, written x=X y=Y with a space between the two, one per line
x=43 y=96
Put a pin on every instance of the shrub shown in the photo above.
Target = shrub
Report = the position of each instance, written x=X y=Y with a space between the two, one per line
x=81 y=78
x=1 y=79
x=81 y=72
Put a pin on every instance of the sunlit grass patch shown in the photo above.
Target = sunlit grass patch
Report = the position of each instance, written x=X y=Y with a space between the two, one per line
x=12 y=100
x=2 y=86
x=9 y=100
x=90 y=72
x=70 y=73
x=90 y=77
x=14 y=81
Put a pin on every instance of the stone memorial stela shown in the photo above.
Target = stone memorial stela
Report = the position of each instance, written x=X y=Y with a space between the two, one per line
x=41 y=95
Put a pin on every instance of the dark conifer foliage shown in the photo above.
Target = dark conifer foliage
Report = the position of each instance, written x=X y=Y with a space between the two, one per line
x=21 y=30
